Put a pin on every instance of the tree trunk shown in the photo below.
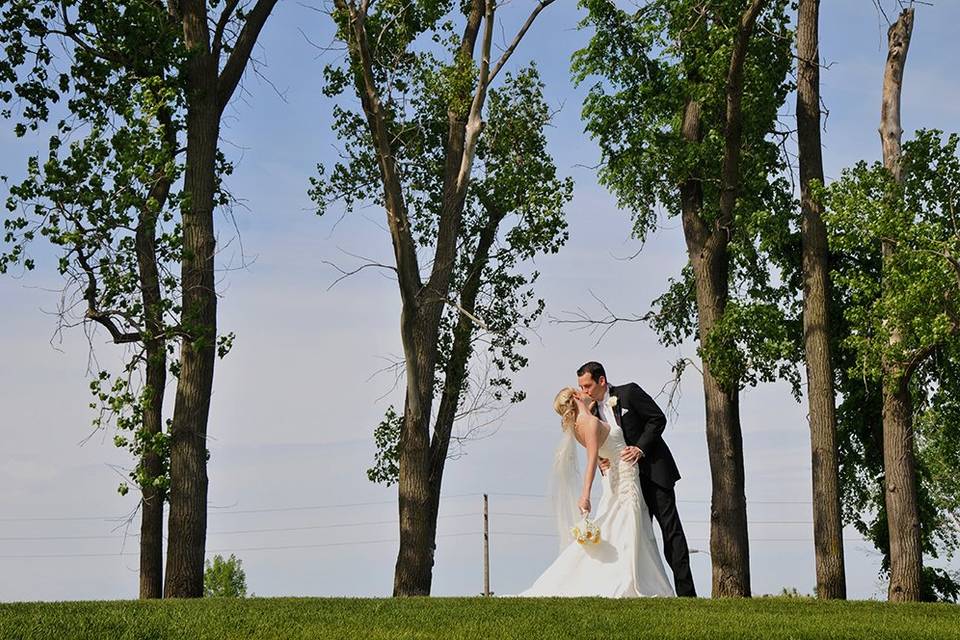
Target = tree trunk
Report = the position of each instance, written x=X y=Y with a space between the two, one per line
x=729 y=541
x=456 y=370
x=413 y=574
x=420 y=322
x=900 y=490
x=827 y=523
x=900 y=476
x=729 y=546
x=188 y=450
x=708 y=250
x=153 y=498
x=422 y=303
x=209 y=90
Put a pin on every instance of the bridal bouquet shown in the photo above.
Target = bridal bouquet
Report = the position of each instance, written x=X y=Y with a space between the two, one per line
x=586 y=532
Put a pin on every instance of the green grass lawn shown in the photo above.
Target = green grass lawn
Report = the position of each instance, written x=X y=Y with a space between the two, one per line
x=477 y=619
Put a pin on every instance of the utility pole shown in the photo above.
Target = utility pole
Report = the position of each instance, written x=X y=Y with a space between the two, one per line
x=486 y=547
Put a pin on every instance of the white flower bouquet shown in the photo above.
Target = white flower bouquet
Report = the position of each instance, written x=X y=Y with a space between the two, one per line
x=586 y=532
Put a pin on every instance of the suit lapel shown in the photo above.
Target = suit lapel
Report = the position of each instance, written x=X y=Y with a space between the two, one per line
x=616 y=407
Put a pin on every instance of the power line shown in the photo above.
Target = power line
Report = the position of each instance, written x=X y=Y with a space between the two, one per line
x=237 y=531
x=234 y=550
x=212 y=511
x=358 y=543
x=687 y=500
x=553 y=535
x=215 y=511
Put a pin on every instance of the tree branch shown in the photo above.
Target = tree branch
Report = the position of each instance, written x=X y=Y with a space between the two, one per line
x=734 y=114
x=104 y=318
x=581 y=320
x=237 y=62
x=221 y=25
x=408 y=270
x=541 y=5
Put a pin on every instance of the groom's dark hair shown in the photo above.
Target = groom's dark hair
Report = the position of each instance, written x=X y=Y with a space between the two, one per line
x=595 y=369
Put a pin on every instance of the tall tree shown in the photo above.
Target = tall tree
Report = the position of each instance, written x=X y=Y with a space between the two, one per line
x=160 y=70
x=210 y=76
x=827 y=523
x=104 y=199
x=911 y=293
x=900 y=476
x=380 y=39
x=513 y=212
x=857 y=221
x=674 y=132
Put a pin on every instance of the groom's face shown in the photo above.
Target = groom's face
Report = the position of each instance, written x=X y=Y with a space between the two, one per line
x=596 y=389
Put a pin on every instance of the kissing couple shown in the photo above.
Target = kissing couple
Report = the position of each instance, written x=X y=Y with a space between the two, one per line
x=621 y=428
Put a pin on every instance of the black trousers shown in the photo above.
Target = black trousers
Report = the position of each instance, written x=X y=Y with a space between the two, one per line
x=662 y=505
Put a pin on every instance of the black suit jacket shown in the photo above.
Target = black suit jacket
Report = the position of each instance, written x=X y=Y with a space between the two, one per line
x=643 y=422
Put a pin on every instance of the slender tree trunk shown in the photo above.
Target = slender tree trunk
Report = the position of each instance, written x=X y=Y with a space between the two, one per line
x=188 y=446
x=422 y=303
x=413 y=574
x=456 y=370
x=900 y=476
x=420 y=476
x=708 y=250
x=420 y=322
x=209 y=90
x=153 y=497
x=827 y=523
x=729 y=541
x=900 y=490
x=729 y=545
x=151 y=520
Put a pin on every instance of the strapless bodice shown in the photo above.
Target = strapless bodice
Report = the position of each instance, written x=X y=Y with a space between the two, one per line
x=613 y=444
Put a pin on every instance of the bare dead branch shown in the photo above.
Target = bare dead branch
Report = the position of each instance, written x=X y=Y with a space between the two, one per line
x=582 y=320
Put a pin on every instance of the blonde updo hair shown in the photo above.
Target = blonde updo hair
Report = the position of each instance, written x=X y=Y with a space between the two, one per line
x=565 y=405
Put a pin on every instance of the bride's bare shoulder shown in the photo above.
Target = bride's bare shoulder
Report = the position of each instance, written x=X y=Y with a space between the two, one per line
x=588 y=423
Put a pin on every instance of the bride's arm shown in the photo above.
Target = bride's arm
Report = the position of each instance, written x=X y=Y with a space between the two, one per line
x=589 y=428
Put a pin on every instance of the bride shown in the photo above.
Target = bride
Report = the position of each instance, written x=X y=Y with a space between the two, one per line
x=626 y=562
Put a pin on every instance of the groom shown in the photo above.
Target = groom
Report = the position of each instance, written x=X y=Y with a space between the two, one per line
x=642 y=422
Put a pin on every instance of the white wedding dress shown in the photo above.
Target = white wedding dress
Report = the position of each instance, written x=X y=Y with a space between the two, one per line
x=626 y=562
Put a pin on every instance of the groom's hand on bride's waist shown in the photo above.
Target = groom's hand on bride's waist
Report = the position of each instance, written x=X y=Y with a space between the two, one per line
x=604 y=464
x=631 y=454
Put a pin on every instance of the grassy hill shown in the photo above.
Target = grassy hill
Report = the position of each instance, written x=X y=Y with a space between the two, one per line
x=477 y=619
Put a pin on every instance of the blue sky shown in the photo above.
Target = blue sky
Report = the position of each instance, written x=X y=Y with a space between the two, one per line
x=295 y=402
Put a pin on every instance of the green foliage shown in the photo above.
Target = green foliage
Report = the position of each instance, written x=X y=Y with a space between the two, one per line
x=915 y=293
x=516 y=188
x=117 y=401
x=515 y=196
x=117 y=138
x=777 y=618
x=104 y=80
x=386 y=464
x=645 y=65
x=224 y=578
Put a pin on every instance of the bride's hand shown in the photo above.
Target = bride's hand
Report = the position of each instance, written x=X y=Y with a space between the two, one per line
x=583 y=401
x=584 y=505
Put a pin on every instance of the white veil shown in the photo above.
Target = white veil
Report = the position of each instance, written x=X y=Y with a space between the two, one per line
x=565 y=486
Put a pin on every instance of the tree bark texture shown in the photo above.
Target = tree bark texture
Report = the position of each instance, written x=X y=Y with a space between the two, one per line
x=827 y=523
x=208 y=92
x=188 y=437
x=418 y=503
x=708 y=250
x=153 y=498
x=728 y=525
x=456 y=369
x=900 y=477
